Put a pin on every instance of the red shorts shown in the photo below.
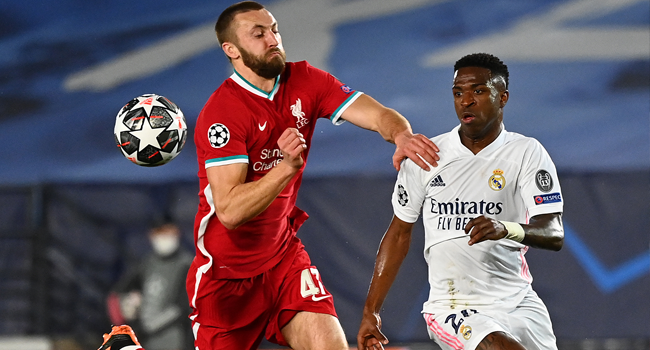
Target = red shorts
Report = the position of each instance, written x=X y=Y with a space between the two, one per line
x=236 y=313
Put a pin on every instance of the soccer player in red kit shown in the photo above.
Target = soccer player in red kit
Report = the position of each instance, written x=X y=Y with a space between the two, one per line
x=251 y=276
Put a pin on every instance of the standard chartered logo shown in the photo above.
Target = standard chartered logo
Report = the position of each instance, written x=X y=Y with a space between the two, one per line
x=274 y=154
x=271 y=153
x=261 y=166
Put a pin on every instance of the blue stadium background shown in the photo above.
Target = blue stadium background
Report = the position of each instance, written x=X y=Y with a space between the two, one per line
x=74 y=211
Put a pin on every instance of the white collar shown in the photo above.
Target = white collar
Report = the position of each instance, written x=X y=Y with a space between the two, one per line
x=237 y=78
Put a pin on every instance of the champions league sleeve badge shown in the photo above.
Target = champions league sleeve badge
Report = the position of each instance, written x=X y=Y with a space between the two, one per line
x=218 y=135
x=402 y=196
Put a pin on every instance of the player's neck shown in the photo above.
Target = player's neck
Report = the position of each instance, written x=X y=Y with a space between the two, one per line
x=259 y=82
x=476 y=143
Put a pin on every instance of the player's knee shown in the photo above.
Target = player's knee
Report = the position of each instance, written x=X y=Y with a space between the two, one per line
x=499 y=341
x=313 y=331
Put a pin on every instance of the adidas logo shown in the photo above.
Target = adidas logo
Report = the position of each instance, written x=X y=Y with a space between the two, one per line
x=437 y=181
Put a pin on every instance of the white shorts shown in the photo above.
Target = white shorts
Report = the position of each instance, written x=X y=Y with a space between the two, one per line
x=528 y=323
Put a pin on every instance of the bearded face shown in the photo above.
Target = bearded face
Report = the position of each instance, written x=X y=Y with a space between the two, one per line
x=268 y=65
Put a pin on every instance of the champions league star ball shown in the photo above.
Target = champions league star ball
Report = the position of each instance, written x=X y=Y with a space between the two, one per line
x=150 y=130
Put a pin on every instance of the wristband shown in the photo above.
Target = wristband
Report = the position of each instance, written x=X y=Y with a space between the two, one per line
x=515 y=231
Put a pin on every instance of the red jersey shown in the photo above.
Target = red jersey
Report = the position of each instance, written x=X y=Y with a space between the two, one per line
x=242 y=124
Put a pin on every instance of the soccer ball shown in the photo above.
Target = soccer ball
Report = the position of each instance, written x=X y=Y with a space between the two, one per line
x=150 y=130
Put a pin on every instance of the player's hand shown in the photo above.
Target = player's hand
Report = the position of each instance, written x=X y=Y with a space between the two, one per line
x=415 y=146
x=370 y=336
x=292 y=144
x=483 y=228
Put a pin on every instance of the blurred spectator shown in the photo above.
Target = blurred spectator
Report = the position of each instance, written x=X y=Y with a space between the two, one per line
x=152 y=297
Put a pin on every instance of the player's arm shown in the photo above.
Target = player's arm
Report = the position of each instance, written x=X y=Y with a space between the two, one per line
x=237 y=201
x=392 y=251
x=543 y=231
x=369 y=114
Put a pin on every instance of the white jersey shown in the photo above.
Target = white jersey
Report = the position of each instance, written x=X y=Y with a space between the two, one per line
x=512 y=179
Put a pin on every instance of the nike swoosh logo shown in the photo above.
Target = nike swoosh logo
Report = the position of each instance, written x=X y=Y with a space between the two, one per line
x=314 y=298
x=262 y=127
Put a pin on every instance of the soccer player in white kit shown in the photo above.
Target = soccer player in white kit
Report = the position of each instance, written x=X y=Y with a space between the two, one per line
x=493 y=194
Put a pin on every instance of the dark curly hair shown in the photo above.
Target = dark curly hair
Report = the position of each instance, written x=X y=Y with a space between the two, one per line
x=484 y=60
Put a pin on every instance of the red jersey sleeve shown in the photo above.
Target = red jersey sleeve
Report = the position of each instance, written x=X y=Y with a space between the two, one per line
x=221 y=132
x=334 y=96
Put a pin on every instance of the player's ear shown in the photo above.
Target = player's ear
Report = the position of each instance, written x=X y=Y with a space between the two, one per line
x=504 y=98
x=231 y=50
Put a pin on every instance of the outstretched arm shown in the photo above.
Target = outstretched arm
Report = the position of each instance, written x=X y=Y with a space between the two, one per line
x=369 y=114
x=392 y=251
x=542 y=231
x=237 y=201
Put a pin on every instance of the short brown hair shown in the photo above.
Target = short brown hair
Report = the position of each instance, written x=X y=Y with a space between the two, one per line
x=223 y=25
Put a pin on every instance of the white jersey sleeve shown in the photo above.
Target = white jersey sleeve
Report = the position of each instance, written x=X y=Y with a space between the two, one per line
x=409 y=191
x=540 y=187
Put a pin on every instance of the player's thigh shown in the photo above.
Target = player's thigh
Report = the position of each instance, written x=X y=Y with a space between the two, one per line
x=466 y=329
x=231 y=314
x=531 y=324
x=216 y=338
x=314 y=331
x=302 y=293
x=305 y=310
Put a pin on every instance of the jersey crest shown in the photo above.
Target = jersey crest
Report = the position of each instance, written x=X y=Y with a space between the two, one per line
x=466 y=331
x=296 y=111
x=497 y=181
